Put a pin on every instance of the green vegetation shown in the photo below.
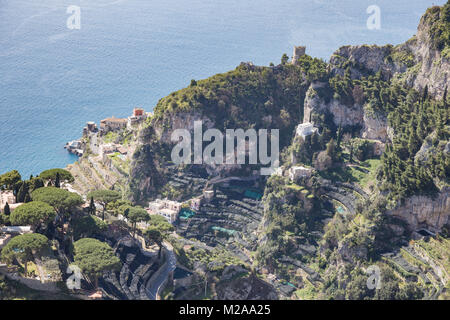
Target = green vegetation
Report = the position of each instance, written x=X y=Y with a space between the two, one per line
x=160 y=223
x=94 y=257
x=61 y=200
x=9 y=179
x=414 y=119
x=24 y=247
x=236 y=99
x=33 y=213
x=51 y=175
x=439 y=20
x=155 y=236
x=104 y=197
x=87 y=227
x=137 y=214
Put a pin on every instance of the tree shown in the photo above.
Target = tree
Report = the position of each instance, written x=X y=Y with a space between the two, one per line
x=6 y=210
x=92 y=208
x=104 y=197
x=137 y=214
x=22 y=193
x=36 y=183
x=57 y=180
x=50 y=175
x=323 y=161
x=24 y=247
x=332 y=150
x=160 y=223
x=155 y=236
x=117 y=207
x=94 y=257
x=9 y=179
x=87 y=226
x=284 y=59
x=27 y=198
x=60 y=199
x=347 y=141
x=33 y=213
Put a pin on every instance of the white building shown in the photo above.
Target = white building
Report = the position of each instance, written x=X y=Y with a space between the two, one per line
x=208 y=195
x=167 y=208
x=299 y=172
x=305 y=129
x=137 y=117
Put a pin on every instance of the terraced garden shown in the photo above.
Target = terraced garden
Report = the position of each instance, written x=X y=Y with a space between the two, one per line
x=229 y=220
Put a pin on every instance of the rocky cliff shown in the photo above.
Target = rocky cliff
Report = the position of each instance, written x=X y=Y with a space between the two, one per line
x=425 y=212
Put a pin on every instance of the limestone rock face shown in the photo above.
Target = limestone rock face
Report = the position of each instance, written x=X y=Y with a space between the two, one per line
x=367 y=59
x=375 y=127
x=434 y=69
x=421 y=211
x=343 y=115
x=180 y=121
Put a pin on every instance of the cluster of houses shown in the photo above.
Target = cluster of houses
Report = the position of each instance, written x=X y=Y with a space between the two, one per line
x=107 y=125
x=114 y=124
x=170 y=209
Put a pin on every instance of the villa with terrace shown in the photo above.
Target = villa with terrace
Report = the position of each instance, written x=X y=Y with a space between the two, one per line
x=167 y=208
x=112 y=124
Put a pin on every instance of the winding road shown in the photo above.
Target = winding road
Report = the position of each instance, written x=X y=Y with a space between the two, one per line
x=154 y=287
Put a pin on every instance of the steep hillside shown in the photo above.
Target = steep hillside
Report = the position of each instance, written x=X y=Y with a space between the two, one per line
x=374 y=176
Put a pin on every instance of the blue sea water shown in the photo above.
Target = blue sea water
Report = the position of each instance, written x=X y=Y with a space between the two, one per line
x=133 y=52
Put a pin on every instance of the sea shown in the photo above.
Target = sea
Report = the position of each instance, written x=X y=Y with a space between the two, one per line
x=56 y=74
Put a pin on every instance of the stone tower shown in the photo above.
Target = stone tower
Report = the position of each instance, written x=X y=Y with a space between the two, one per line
x=298 y=52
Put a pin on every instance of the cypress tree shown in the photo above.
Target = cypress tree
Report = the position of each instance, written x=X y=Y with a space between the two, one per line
x=27 y=198
x=57 y=181
x=92 y=209
x=7 y=210
x=23 y=191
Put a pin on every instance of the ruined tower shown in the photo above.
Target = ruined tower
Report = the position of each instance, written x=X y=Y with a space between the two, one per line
x=298 y=52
